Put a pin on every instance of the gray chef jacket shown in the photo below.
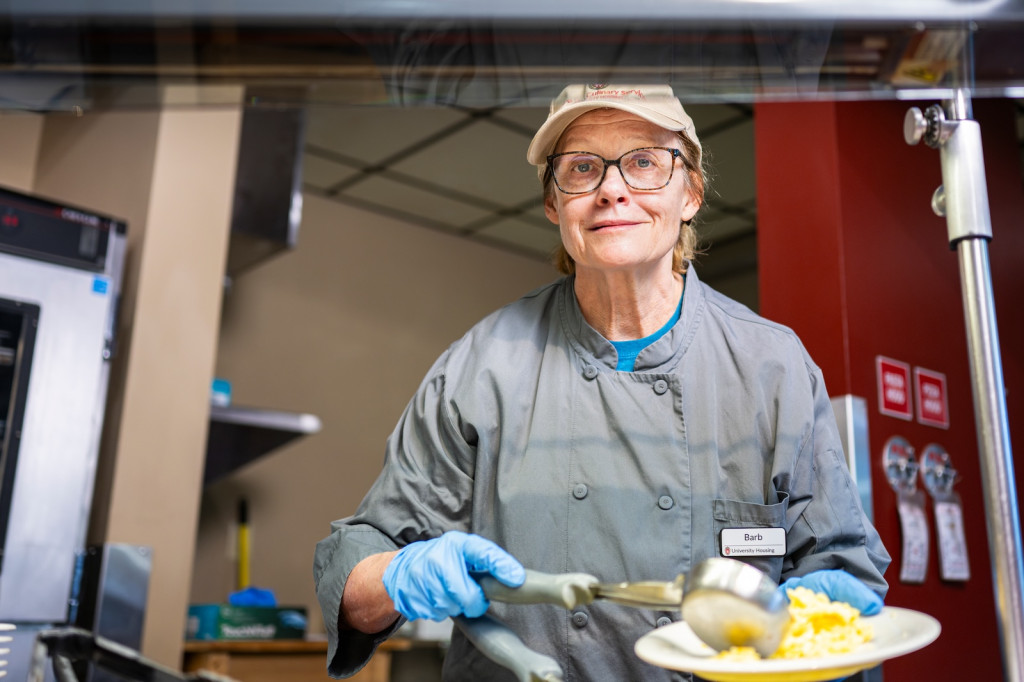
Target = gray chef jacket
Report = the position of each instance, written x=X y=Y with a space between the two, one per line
x=524 y=432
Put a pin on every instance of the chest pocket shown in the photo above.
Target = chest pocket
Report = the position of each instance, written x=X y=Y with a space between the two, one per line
x=737 y=514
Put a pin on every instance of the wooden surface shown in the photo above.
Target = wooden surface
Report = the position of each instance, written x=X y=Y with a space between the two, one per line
x=282 y=660
x=254 y=646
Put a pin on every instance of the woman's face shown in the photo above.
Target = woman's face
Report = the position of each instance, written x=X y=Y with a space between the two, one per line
x=616 y=227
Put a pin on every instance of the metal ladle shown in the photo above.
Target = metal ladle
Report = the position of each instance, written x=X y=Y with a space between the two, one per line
x=724 y=601
x=729 y=603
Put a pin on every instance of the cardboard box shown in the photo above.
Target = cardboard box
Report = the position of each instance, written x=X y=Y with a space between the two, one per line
x=227 y=622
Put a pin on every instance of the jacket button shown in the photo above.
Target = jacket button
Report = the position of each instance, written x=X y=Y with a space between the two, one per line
x=660 y=386
x=580 y=619
x=579 y=491
x=590 y=372
x=665 y=502
x=663 y=621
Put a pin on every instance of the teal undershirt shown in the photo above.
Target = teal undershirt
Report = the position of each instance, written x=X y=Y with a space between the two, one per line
x=628 y=350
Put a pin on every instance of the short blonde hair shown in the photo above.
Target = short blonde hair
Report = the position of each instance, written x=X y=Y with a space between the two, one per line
x=686 y=246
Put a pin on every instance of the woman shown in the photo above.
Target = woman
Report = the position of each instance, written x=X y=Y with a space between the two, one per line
x=615 y=423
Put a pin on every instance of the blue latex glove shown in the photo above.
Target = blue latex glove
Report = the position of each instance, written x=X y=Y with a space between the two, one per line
x=253 y=596
x=839 y=585
x=431 y=578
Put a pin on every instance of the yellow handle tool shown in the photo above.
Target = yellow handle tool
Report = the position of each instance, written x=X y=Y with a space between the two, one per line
x=243 y=545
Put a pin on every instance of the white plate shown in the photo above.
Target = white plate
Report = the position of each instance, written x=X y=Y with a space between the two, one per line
x=897 y=631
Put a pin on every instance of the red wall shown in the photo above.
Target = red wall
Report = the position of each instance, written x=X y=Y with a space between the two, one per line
x=852 y=257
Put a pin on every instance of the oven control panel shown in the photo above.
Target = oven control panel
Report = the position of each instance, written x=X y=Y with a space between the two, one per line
x=48 y=231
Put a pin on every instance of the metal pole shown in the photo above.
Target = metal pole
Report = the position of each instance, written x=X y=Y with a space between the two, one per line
x=963 y=199
x=1004 y=534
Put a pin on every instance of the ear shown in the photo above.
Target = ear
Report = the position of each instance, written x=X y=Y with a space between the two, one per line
x=550 y=210
x=690 y=206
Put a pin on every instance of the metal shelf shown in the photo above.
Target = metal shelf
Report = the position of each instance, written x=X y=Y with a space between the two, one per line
x=239 y=435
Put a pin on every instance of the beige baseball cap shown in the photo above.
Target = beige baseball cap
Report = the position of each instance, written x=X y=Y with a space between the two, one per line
x=655 y=103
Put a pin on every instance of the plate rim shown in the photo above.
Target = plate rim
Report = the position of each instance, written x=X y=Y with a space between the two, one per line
x=860 y=659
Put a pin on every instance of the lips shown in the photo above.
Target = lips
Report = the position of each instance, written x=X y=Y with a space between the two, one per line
x=612 y=223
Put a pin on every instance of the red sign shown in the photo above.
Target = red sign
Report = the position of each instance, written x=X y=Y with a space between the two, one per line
x=893 y=388
x=932 y=404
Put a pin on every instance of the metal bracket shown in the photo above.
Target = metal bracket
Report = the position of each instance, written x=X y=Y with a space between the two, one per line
x=900 y=465
x=937 y=471
x=962 y=198
x=930 y=126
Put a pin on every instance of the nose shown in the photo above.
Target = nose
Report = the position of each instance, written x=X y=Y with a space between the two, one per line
x=613 y=187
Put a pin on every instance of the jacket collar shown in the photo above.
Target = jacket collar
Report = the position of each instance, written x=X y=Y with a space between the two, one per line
x=660 y=356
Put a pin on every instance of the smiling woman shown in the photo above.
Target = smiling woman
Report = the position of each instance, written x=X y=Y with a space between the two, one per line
x=684 y=146
x=607 y=423
x=618 y=236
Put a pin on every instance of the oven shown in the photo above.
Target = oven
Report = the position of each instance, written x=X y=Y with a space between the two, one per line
x=60 y=276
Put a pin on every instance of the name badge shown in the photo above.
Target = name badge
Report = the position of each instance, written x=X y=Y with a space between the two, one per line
x=753 y=542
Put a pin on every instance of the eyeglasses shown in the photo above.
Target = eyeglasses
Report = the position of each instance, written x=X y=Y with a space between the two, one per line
x=646 y=168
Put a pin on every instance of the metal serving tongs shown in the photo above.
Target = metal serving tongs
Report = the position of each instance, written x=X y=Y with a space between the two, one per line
x=725 y=602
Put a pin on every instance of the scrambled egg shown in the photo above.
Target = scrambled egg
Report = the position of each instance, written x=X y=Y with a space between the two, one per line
x=818 y=627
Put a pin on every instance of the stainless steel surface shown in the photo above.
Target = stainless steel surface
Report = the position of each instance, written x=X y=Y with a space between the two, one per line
x=24 y=654
x=60 y=436
x=239 y=435
x=1001 y=508
x=939 y=201
x=332 y=11
x=115 y=267
x=851 y=414
x=963 y=179
x=651 y=594
x=729 y=603
x=928 y=126
x=6 y=638
x=87 y=55
x=270 y=419
x=969 y=228
x=914 y=126
x=570 y=590
x=122 y=590
x=112 y=597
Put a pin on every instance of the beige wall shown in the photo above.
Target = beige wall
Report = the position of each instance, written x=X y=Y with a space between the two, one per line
x=161 y=444
x=343 y=327
x=20 y=135
x=170 y=174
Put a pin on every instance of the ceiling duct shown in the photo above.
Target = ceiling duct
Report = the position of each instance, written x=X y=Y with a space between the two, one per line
x=268 y=186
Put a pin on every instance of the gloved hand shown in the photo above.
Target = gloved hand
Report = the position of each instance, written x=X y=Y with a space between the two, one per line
x=430 y=579
x=839 y=585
